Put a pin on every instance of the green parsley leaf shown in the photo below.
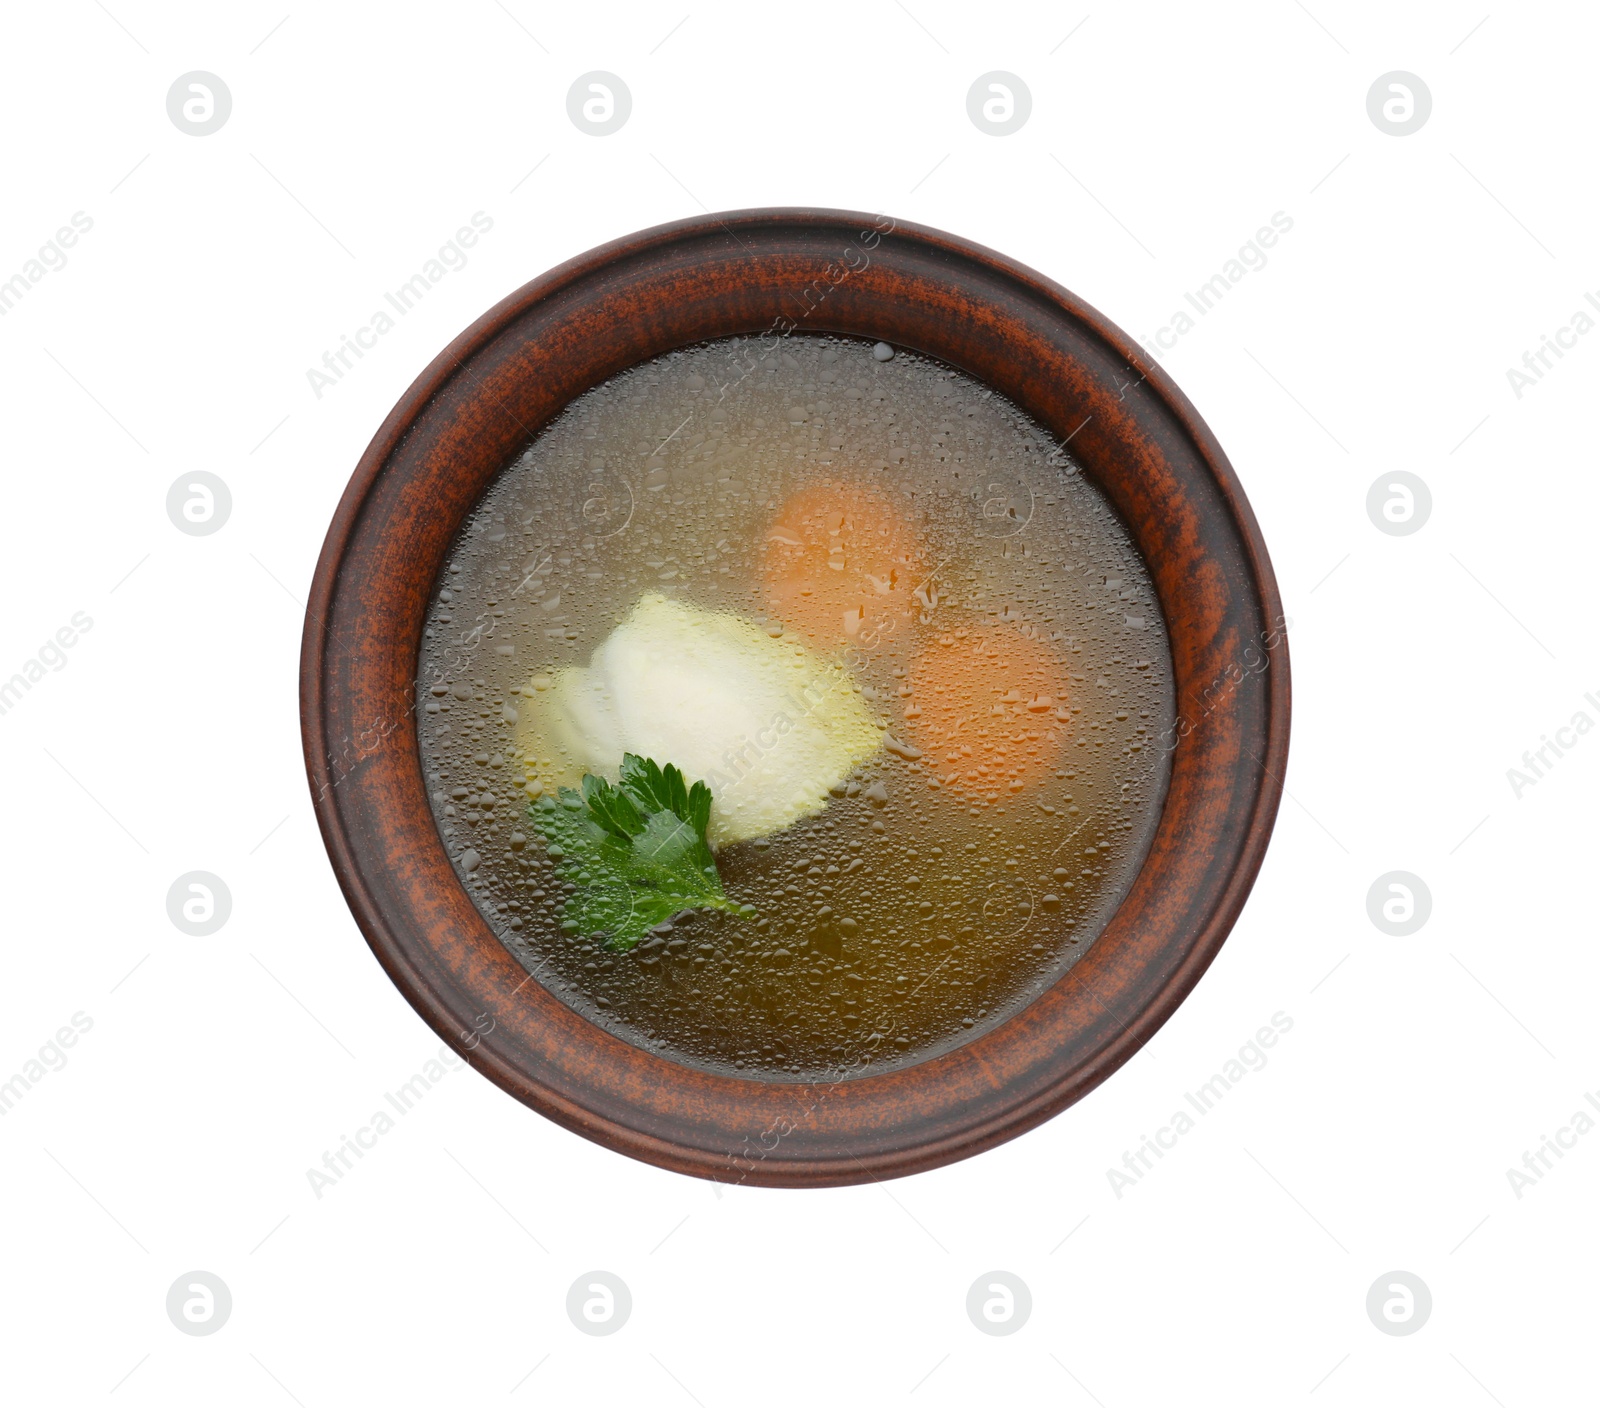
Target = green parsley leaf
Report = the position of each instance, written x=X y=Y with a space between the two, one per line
x=636 y=850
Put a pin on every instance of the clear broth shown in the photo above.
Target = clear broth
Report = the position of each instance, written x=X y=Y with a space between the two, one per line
x=935 y=895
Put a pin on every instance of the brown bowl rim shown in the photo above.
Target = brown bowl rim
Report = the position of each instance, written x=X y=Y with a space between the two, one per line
x=915 y=287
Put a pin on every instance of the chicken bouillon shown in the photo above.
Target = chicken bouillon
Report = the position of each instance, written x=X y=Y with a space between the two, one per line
x=795 y=712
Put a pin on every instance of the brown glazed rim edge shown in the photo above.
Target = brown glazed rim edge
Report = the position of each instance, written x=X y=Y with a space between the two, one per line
x=683 y=1142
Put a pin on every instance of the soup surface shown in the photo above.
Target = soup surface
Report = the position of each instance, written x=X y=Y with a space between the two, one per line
x=911 y=651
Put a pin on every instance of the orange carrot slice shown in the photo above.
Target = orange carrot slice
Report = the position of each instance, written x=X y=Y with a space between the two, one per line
x=989 y=709
x=840 y=562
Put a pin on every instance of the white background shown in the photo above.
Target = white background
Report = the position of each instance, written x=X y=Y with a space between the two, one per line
x=1377 y=338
